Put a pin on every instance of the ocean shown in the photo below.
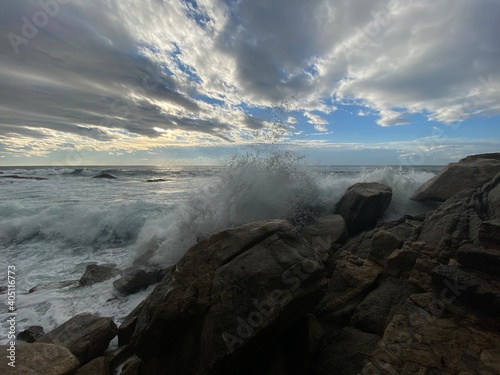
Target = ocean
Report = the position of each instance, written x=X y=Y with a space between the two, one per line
x=50 y=230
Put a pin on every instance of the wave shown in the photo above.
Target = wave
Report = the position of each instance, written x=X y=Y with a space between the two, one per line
x=254 y=186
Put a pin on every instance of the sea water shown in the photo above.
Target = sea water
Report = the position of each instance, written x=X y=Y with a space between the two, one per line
x=50 y=230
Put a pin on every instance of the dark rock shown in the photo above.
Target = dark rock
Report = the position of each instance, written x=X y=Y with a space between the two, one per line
x=117 y=356
x=383 y=244
x=478 y=258
x=453 y=283
x=456 y=177
x=105 y=175
x=346 y=353
x=401 y=262
x=363 y=204
x=156 y=180
x=127 y=328
x=325 y=231
x=55 y=285
x=489 y=233
x=98 y=366
x=31 y=334
x=3 y=289
x=377 y=309
x=228 y=298
x=85 y=335
x=95 y=273
x=25 y=177
x=132 y=366
x=40 y=359
x=136 y=279
x=458 y=219
x=351 y=281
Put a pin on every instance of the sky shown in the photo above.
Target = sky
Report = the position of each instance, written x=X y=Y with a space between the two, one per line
x=401 y=82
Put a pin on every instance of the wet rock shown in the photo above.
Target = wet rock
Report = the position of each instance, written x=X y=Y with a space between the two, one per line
x=31 y=334
x=156 y=180
x=25 y=177
x=40 y=359
x=86 y=336
x=105 y=175
x=136 y=279
x=455 y=177
x=95 y=273
x=55 y=285
x=363 y=204
x=229 y=296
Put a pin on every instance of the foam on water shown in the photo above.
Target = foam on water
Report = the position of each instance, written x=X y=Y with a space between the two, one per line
x=52 y=229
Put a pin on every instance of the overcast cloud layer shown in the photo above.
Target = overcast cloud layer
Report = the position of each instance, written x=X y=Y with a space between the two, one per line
x=134 y=75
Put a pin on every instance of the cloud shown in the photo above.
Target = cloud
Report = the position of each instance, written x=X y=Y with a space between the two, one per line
x=95 y=71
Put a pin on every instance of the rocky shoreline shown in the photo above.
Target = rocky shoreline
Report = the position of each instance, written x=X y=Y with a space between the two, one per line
x=345 y=295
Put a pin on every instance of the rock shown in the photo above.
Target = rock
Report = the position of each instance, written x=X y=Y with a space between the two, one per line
x=478 y=258
x=127 y=328
x=347 y=352
x=117 y=356
x=383 y=244
x=3 y=289
x=350 y=282
x=31 y=334
x=98 y=366
x=85 y=335
x=40 y=359
x=25 y=177
x=136 y=279
x=132 y=366
x=325 y=231
x=105 y=175
x=491 y=359
x=455 y=177
x=377 y=309
x=489 y=233
x=453 y=283
x=229 y=296
x=95 y=273
x=401 y=262
x=55 y=285
x=424 y=341
x=458 y=220
x=363 y=204
x=156 y=180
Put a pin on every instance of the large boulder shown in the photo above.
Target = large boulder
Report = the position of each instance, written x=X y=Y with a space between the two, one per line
x=229 y=297
x=478 y=258
x=87 y=336
x=471 y=172
x=363 y=204
x=39 y=359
